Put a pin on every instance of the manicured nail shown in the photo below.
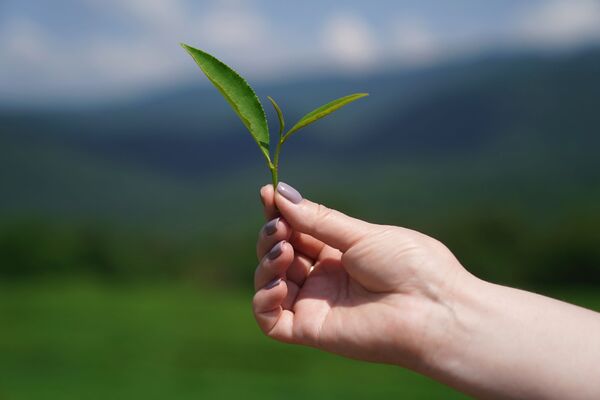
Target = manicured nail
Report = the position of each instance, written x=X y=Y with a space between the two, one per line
x=273 y=283
x=271 y=226
x=289 y=192
x=276 y=251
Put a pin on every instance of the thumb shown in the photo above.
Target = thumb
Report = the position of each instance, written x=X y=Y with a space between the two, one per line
x=329 y=226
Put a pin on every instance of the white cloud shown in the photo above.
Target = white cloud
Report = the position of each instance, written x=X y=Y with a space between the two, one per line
x=37 y=60
x=23 y=41
x=127 y=64
x=156 y=14
x=349 y=40
x=101 y=64
x=561 y=23
x=28 y=59
x=230 y=28
x=412 y=42
x=122 y=47
x=161 y=15
x=241 y=36
x=233 y=28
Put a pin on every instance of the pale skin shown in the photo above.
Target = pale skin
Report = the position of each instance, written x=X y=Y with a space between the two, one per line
x=392 y=295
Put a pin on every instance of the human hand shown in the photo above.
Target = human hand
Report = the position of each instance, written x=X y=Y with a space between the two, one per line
x=372 y=292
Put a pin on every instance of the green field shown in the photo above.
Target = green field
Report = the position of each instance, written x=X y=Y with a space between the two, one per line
x=96 y=341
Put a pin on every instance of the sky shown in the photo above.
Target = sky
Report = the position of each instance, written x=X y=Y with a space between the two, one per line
x=70 y=51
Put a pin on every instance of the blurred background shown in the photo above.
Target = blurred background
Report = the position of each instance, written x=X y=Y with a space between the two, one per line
x=129 y=189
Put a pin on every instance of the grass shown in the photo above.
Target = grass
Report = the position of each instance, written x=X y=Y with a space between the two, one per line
x=87 y=340
x=94 y=341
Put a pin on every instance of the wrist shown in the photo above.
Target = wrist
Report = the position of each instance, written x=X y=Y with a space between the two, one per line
x=450 y=326
x=473 y=352
x=499 y=342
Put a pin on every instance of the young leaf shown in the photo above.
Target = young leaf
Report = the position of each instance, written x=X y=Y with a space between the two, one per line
x=279 y=115
x=238 y=94
x=323 y=111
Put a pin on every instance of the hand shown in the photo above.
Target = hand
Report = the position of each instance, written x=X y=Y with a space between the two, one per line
x=371 y=292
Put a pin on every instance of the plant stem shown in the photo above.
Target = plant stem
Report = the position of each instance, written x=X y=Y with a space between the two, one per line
x=274 y=176
x=275 y=167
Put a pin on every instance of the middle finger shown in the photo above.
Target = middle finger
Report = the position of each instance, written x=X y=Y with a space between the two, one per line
x=272 y=232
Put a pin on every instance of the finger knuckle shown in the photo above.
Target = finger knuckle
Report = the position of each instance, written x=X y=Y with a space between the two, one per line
x=322 y=215
x=256 y=273
x=323 y=211
x=255 y=303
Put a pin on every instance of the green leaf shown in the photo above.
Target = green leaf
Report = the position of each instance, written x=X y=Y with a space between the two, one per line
x=324 y=111
x=279 y=115
x=238 y=94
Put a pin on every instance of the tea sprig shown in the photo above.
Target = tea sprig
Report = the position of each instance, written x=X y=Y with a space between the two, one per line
x=242 y=98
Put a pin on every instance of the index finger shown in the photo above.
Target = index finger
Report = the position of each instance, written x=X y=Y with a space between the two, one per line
x=267 y=196
x=302 y=242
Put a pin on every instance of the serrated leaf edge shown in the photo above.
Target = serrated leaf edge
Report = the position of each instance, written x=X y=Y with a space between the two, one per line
x=245 y=121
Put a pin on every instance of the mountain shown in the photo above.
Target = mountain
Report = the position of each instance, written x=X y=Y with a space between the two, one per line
x=523 y=117
x=495 y=156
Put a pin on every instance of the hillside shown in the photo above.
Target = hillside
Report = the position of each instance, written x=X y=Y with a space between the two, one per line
x=466 y=151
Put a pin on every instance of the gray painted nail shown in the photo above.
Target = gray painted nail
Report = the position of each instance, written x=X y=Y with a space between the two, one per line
x=271 y=226
x=273 y=283
x=276 y=251
x=289 y=192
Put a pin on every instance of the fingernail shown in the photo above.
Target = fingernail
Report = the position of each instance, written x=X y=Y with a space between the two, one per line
x=273 y=283
x=260 y=196
x=271 y=226
x=289 y=192
x=276 y=251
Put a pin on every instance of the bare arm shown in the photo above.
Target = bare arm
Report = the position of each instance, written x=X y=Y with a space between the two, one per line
x=509 y=343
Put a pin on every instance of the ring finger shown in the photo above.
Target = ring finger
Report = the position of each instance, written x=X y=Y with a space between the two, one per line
x=274 y=264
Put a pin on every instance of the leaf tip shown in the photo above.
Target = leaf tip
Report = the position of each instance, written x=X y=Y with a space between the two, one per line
x=187 y=48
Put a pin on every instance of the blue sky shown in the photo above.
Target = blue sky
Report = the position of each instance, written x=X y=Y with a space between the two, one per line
x=88 y=50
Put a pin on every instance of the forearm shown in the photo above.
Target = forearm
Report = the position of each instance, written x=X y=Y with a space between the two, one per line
x=508 y=343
